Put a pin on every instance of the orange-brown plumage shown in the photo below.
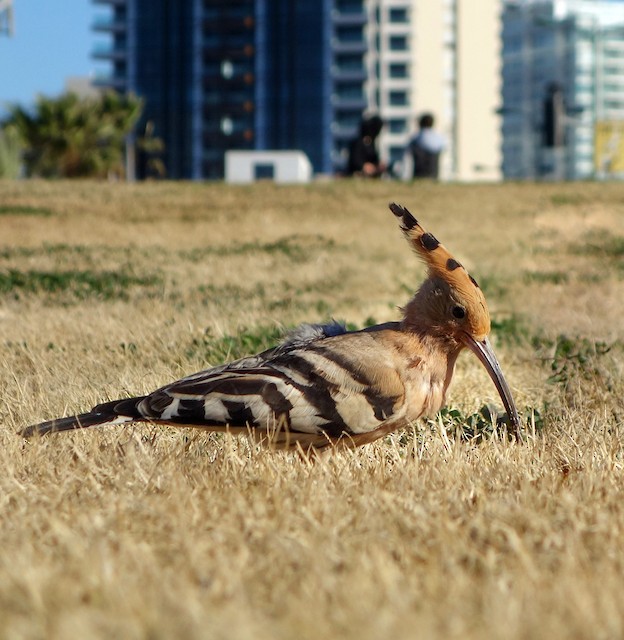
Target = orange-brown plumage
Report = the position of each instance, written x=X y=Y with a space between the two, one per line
x=325 y=385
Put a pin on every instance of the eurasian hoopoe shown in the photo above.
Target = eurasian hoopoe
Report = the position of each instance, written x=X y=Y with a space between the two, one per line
x=324 y=384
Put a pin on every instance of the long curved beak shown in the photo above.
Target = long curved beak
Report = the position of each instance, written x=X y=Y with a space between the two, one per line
x=483 y=350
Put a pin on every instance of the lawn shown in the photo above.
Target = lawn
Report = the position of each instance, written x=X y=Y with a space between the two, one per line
x=444 y=530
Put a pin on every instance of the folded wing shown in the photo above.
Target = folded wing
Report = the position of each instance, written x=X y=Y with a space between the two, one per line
x=310 y=389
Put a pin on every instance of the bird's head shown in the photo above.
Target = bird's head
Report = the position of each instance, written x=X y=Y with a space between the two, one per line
x=450 y=306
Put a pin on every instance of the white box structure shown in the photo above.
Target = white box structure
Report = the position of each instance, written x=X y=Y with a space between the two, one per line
x=242 y=167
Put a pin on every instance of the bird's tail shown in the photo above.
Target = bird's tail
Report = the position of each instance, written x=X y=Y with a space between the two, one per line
x=107 y=414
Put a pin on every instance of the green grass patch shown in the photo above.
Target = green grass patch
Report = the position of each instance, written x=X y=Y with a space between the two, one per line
x=249 y=341
x=65 y=250
x=492 y=285
x=511 y=330
x=602 y=245
x=483 y=423
x=215 y=350
x=295 y=247
x=107 y=285
x=207 y=293
x=543 y=277
x=24 y=210
x=577 y=358
x=565 y=199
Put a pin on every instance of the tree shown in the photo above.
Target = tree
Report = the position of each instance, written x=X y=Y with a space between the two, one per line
x=10 y=152
x=74 y=137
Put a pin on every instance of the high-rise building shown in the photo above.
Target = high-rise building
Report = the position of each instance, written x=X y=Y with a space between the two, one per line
x=563 y=89
x=310 y=75
x=287 y=74
x=240 y=74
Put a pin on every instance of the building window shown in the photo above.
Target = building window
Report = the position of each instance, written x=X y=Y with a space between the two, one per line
x=613 y=71
x=397 y=125
x=264 y=171
x=398 y=15
x=614 y=104
x=398 y=43
x=398 y=98
x=398 y=70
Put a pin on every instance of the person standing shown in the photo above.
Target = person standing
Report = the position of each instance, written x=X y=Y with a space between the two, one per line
x=363 y=155
x=425 y=148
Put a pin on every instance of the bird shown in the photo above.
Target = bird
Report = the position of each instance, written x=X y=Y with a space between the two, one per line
x=324 y=385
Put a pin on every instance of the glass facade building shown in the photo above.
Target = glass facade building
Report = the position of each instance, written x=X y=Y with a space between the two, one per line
x=240 y=74
x=576 y=49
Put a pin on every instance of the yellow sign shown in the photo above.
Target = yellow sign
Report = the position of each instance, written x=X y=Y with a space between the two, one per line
x=609 y=146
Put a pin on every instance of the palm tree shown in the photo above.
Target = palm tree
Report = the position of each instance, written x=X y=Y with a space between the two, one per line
x=74 y=137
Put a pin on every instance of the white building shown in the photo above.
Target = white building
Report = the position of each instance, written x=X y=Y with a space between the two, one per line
x=441 y=57
x=577 y=48
x=283 y=167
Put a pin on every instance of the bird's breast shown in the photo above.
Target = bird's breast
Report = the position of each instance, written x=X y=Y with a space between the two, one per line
x=426 y=382
x=424 y=397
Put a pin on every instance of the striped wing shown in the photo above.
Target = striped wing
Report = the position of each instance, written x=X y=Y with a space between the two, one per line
x=320 y=389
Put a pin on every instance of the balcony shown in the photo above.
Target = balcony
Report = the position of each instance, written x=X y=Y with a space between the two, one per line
x=109 y=52
x=348 y=103
x=349 y=74
x=350 y=19
x=108 y=25
x=349 y=46
x=343 y=133
x=110 y=81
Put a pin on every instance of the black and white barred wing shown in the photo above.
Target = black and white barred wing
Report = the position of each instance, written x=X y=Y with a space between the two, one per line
x=316 y=390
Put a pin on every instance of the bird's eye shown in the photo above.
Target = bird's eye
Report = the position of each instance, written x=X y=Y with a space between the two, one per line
x=458 y=312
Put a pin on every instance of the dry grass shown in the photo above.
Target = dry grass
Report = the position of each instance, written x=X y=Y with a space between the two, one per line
x=109 y=290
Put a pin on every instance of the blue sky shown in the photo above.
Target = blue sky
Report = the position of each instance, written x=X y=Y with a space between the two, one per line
x=52 y=41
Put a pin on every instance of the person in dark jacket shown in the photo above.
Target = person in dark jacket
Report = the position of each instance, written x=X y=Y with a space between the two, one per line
x=425 y=148
x=363 y=155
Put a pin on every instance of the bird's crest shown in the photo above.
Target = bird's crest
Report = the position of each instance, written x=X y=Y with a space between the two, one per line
x=435 y=255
